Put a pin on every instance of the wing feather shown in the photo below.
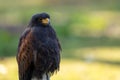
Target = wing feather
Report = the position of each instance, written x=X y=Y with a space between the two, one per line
x=25 y=56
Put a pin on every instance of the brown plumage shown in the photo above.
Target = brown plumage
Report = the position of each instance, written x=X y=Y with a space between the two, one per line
x=38 y=50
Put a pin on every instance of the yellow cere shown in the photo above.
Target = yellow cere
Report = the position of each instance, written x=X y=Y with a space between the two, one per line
x=45 y=21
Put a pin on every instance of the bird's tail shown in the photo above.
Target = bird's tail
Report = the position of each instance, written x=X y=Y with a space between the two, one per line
x=46 y=77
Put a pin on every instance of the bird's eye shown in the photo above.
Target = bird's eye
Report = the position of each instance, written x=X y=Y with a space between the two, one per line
x=40 y=19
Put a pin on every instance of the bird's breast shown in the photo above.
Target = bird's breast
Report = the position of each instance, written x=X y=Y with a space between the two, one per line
x=45 y=36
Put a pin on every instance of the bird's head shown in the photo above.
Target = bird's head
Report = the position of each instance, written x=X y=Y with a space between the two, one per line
x=42 y=19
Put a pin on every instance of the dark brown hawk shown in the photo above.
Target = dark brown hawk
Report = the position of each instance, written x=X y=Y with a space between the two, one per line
x=38 y=50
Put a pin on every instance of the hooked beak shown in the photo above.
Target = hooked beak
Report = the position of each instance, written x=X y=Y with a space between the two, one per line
x=46 y=21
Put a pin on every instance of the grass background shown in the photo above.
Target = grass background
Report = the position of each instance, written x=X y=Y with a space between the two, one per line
x=89 y=32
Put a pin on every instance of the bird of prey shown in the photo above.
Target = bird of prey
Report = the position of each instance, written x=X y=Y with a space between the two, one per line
x=39 y=49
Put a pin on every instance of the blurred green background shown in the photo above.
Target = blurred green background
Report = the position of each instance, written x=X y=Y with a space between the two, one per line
x=89 y=32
